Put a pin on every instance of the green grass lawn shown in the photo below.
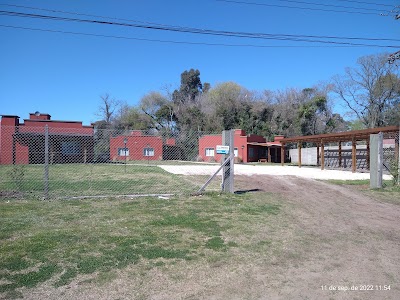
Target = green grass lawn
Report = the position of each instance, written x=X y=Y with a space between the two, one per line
x=56 y=242
x=68 y=180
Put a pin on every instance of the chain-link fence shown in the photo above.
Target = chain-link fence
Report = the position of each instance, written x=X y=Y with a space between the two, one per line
x=391 y=156
x=57 y=162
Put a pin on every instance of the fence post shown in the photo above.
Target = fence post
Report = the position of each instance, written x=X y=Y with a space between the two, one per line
x=376 y=160
x=46 y=162
x=228 y=168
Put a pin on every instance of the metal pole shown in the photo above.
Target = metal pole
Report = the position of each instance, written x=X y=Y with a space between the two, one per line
x=46 y=162
x=148 y=152
x=125 y=152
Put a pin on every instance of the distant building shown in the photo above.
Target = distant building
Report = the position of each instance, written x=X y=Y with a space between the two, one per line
x=138 y=146
x=24 y=143
x=247 y=148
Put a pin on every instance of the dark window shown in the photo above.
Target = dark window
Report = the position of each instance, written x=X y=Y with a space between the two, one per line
x=70 y=148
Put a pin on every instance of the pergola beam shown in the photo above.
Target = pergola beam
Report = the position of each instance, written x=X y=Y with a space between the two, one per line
x=358 y=135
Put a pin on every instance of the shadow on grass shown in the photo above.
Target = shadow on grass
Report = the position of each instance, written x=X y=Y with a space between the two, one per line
x=247 y=191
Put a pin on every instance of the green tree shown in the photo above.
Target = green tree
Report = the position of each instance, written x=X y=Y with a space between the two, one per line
x=190 y=87
x=309 y=113
x=370 y=90
x=156 y=106
x=132 y=118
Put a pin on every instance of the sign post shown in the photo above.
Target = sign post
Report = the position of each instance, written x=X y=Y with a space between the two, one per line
x=228 y=156
x=227 y=149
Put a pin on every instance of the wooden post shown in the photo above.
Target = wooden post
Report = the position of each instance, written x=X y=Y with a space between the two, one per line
x=322 y=155
x=269 y=154
x=283 y=154
x=353 y=155
x=317 y=154
x=299 y=149
x=340 y=154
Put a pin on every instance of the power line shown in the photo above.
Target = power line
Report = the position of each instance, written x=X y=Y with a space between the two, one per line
x=298 y=38
x=328 y=5
x=188 y=28
x=297 y=7
x=77 y=14
x=368 y=3
x=168 y=41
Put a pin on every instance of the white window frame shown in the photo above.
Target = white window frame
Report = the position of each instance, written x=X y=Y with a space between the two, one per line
x=123 y=151
x=148 y=151
x=236 y=151
x=209 y=152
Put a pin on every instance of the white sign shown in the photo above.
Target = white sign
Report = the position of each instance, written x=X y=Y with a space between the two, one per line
x=222 y=149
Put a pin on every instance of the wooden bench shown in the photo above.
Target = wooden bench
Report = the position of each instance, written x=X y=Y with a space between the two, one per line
x=262 y=160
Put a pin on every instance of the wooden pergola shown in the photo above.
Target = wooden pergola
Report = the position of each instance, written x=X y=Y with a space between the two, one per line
x=349 y=136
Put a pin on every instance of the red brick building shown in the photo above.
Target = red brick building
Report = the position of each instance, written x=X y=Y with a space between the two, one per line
x=138 y=146
x=248 y=148
x=24 y=143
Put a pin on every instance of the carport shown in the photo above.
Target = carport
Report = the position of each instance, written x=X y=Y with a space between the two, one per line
x=349 y=136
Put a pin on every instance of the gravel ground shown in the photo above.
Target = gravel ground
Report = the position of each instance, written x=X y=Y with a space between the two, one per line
x=305 y=172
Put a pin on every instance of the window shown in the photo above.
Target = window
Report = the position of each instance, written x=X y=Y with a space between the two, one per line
x=123 y=151
x=236 y=152
x=70 y=148
x=210 y=152
x=251 y=152
x=148 y=152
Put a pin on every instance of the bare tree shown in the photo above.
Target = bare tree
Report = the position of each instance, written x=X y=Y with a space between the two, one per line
x=370 y=89
x=107 y=108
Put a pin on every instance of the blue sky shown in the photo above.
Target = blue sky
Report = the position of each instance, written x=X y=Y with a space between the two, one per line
x=64 y=74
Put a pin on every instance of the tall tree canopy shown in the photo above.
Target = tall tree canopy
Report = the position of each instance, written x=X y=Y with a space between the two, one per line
x=190 y=87
x=371 y=90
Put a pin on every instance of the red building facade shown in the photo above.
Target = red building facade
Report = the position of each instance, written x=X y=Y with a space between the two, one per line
x=137 y=146
x=24 y=143
x=247 y=148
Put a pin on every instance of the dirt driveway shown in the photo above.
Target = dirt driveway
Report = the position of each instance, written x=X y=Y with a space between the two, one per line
x=349 y=241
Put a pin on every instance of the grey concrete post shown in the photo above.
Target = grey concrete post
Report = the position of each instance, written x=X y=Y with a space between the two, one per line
x=376 y=160
x=228 y=168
